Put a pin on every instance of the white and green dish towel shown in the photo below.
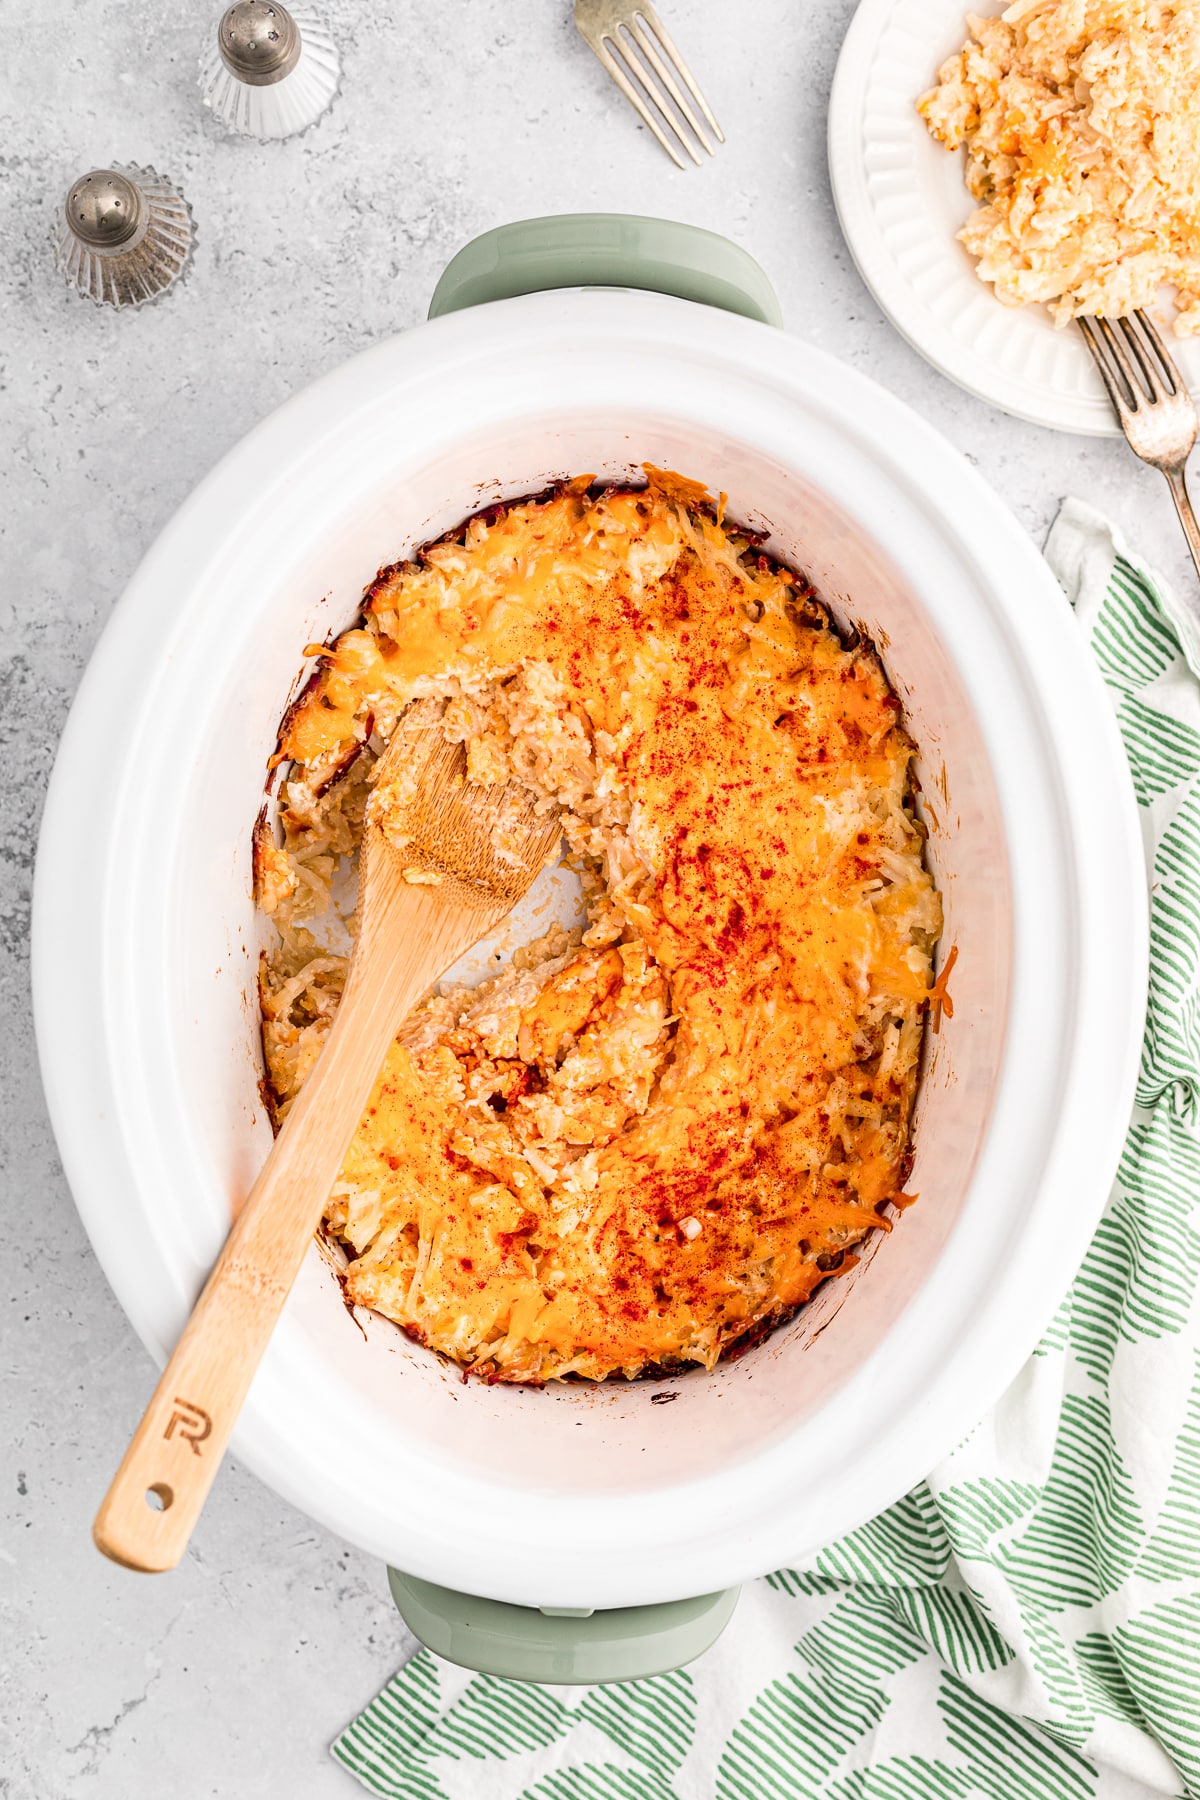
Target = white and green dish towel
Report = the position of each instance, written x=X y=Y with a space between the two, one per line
x=1025 y=1625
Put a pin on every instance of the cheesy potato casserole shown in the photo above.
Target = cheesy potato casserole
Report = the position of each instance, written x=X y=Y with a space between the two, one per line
x=648 y=1139
x=1081 y=120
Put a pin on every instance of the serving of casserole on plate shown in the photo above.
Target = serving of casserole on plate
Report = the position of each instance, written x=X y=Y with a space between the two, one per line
x=1080 y=120
x=1073 y=184
x=645 y=1140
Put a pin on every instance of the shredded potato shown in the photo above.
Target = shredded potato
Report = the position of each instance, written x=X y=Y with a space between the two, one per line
x=646 y=1139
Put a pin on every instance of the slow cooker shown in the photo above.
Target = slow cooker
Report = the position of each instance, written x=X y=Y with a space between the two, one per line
x=628 y=1512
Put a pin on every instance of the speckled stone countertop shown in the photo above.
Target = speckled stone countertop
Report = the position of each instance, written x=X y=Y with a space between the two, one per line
x=229 y=1677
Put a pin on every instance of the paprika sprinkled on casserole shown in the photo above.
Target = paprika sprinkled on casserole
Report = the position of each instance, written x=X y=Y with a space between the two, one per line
x=647 y=1139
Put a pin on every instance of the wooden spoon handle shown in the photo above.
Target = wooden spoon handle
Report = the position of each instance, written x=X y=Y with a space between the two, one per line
x=156 y=1496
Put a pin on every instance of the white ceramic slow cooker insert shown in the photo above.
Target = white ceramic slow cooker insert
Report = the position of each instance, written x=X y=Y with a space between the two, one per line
x=146 y=943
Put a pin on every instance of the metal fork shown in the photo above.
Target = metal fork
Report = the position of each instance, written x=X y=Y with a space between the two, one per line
x=1150 y=398
x=635 y=47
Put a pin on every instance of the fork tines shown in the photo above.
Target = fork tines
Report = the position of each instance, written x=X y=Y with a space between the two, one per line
x=1136 y=357
x=635 y=47
x=1149 y=395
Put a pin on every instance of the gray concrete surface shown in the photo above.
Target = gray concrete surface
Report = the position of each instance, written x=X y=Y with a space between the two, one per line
x=229 y=1677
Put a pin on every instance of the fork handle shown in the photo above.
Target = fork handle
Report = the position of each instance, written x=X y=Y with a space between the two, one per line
x=1177 y=482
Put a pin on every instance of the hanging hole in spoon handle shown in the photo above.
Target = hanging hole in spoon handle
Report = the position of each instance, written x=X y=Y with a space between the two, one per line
x=158 y=1492
x=177 y=1448
x=152 y=1496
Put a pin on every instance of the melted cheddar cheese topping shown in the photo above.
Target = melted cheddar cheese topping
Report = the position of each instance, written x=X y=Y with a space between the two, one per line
x=645 y=1141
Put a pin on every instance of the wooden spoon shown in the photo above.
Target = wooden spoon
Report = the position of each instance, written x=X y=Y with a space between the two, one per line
x=442 y=862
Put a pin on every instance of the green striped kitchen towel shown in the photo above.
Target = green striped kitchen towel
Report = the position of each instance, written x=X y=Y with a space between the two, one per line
x=1025 y=1625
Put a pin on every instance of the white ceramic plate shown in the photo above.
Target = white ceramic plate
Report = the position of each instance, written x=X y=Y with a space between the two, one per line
x=901 y=199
